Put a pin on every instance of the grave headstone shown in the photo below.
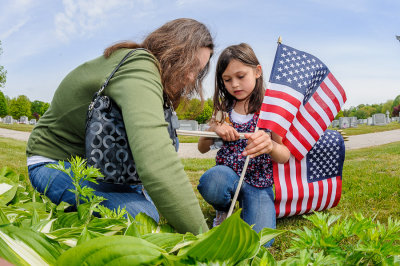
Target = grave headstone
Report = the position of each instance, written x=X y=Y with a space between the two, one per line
x=1 y=119
x=344 y=122
x=335 y=123
x=23 y=120
x=203 y=127
x=8 y=120
x=360 y=121
x=188 y=125
x=32 y=121
x=353 y=121
x=370 y=121
x=379 y=119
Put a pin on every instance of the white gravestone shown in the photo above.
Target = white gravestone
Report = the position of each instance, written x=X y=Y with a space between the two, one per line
x=379 y=119
x=188 y=125
x=344 y=122
x=23 y=120
x=8 y=120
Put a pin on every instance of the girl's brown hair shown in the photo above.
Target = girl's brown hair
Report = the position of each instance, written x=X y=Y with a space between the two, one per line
x=175 y=45
x=223 y=101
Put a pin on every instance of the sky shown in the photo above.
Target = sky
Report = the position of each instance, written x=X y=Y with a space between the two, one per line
x=43 y=40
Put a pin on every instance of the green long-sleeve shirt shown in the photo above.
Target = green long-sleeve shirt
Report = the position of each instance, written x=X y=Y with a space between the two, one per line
x=136 y=88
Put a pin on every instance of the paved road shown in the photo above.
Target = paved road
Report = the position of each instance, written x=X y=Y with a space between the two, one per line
x=189 y=150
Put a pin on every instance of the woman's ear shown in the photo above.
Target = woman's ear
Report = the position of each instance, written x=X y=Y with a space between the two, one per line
x=258 y=71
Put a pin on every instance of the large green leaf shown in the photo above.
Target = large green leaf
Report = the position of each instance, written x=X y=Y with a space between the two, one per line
x=233 y=241
x=165 y=241
x=266 y=234
x=114 y=250
x=145 y=224
x=23 y=246
x=8 y=189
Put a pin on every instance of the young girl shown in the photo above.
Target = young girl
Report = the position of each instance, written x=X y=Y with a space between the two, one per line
x=239 y=92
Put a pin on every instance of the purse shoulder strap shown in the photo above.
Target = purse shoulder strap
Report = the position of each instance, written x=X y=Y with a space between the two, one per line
x=116 y=68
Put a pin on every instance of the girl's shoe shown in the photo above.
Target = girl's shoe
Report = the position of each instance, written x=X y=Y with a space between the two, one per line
x=220 y=216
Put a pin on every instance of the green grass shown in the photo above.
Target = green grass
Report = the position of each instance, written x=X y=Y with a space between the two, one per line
x=371 y=184
x=19 y=127
x=12 y=154
x=188 y=139
x=364 y=129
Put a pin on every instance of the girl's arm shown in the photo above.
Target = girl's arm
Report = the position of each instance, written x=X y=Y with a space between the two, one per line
x=261 y=142
x=225 y=131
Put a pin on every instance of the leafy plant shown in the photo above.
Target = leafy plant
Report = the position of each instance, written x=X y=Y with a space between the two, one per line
x=351 y=241
x=33 y=230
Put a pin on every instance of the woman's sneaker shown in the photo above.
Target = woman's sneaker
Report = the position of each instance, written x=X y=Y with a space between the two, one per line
x=220 y=216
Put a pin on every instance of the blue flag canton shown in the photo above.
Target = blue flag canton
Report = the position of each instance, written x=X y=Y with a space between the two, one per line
x=325 y=159
x=301 y=71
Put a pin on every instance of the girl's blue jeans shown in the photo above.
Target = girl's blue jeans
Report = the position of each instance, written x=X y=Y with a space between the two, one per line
x=218 y=186
x=55 y=184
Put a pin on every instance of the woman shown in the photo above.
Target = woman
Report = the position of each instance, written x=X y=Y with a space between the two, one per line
x=173 y=65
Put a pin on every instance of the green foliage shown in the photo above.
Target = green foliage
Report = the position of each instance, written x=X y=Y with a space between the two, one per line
x=205 y=115
x=34 y=230
x=39 y=107
x=396 y=101
x=3 y=105
x=20 y=106
x=79 y=174
x=195 y=110
x=351 y=241
x=3 y=72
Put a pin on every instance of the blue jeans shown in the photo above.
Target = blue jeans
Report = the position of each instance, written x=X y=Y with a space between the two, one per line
x=56 y=184
x=218 y=186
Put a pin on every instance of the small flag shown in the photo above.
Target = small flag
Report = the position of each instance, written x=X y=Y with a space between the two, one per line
x=302 y=100
x=313 y=183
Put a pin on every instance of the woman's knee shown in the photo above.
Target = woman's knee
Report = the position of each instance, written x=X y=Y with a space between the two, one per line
x=216 y=184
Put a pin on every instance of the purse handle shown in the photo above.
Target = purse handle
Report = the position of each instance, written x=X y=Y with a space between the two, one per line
x=111 y=75
x=116 y=68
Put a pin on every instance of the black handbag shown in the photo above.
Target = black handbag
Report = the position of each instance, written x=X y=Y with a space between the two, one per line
x=106 y=143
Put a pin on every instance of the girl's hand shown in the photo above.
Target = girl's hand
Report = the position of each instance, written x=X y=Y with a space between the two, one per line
x=258 y=143
x=226 y=132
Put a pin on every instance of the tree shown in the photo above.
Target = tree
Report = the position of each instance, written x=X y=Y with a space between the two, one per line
x=387 y=106
x=2 y=71
x=39 y=108
x=206 y=114
x=20 y=106
x=396 y=101
x=3 y=105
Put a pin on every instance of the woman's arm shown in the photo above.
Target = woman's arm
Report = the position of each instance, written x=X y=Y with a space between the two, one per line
x=261 y=142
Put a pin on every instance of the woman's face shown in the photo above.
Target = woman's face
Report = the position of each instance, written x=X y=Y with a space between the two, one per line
x=203 y=55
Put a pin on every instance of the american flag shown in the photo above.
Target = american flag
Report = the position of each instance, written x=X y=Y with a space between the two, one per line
x=313 y=183
x=302 y=100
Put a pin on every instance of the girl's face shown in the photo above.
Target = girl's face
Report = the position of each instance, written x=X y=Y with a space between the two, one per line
x=240 y=79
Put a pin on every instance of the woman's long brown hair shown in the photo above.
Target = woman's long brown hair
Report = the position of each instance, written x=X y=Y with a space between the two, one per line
x=223 y=101
x=175 y=45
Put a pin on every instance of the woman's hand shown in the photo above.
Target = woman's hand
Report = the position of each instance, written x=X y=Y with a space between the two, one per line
x=258 y=143
x=225 y=131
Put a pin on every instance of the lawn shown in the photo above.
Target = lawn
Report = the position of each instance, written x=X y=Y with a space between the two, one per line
x=371 y=183
x=361 y=129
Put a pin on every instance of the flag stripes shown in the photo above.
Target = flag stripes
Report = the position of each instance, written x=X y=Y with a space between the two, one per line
x=294 y=195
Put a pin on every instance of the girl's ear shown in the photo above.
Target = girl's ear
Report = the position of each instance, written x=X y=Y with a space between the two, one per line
x=258 y=71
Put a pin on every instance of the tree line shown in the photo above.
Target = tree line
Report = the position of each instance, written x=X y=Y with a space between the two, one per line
x=21 y=106
x=363 y=111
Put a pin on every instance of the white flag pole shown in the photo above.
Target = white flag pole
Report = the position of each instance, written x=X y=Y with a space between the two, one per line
x=240 y=182
x=244 y=168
